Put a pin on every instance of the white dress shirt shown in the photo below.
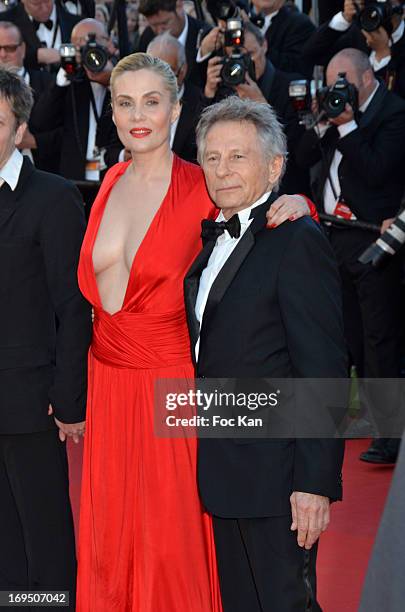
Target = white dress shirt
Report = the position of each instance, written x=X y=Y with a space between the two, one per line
x=339 y=23
x=182 y=38
x=267 y=21
x=328 y=196
x=47 y=36
x=99 y=92
x=223 y=248
x=10 y=172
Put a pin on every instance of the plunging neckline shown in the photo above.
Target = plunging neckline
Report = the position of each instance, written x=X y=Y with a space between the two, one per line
x=153 y=222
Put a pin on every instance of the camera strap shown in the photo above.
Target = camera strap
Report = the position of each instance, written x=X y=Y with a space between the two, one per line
x=97 y=115
x=55 y=33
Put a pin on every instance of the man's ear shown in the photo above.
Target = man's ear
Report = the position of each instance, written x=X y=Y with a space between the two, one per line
x=275 y=169
x=19 y=133
x=179 y=6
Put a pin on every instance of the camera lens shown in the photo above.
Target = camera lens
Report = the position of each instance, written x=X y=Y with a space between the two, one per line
x=233 y=73
x=371 y=18
x=95 y=59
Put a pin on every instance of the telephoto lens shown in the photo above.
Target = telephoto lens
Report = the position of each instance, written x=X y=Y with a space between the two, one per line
x=387 y=245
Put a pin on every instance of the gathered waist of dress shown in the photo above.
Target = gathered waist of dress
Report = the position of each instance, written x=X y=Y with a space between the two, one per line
x=141 y=340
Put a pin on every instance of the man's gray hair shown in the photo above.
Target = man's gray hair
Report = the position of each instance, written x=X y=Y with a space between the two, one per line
x=167 y=42
x=269 y=130
x=17 y=93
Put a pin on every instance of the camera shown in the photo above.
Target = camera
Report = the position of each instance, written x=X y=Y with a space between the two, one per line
x=332 y=100
x=93 y=56
x=387 y=245
x=229 y=10
x=238 y=63
x=376 y=14
x=300 y=94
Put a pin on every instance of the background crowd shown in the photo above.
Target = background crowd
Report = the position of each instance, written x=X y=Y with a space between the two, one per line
x=350 y=162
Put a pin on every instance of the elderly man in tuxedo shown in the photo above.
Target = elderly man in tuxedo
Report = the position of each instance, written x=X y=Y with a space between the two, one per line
x=45 y=328
x=262 y=303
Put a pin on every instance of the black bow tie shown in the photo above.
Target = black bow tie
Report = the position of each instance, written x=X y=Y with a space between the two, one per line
x=48 y=24
x=212 y=229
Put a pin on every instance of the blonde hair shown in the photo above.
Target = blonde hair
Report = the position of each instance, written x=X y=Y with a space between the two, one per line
x=143 y=61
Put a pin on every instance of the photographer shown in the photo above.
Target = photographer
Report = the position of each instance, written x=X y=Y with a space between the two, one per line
x=170 y=16
x=285 y=30
x=361 y=155
x=182 y=136
x=44 y=27
x=80 y=105
x=268 y=85
x=39 y=147
x=380 y=36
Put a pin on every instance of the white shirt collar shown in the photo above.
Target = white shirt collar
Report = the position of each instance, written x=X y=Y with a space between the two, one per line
x=182 y=38
x=366 y=104
x=245 y=213
x=398 y=33
x=10 y=172
x=267 y=21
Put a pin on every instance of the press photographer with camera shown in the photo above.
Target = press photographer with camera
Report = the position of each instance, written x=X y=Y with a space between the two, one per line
x=373 y=26
x=79 y=103
x=170 y=16
x=38 y=147
x=246 y=71
x=359 y=158
x=44 y=26
x=285 y=30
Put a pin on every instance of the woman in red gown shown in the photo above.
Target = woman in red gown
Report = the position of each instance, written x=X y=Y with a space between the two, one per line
x=145 y=542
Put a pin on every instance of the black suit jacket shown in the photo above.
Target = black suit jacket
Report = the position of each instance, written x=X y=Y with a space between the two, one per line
x=46 y=155
x=17 y=15
x=196 y=72
x=325 y=42
x=273 y=311
x=184 y=143
x=67 y=109
x=45 y=323
x=286 y=36
x=371 y=172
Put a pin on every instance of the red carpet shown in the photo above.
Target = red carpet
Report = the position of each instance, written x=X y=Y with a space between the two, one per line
x=346 y=546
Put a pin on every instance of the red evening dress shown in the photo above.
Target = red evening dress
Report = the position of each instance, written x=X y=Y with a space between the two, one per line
x=145 y=542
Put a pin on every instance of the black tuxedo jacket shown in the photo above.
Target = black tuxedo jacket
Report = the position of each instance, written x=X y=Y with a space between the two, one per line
x=288 y=32
x=371 y=172
x=184 y=144
x=46 y=155
x=325 y=42
x=45 y=323
x=273 y=311
x=17 y=15
x=196 y=72
x=67 y=109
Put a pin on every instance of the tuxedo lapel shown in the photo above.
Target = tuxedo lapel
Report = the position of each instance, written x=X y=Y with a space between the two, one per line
x=191 y=286
x=9 y=199
x=236 y=259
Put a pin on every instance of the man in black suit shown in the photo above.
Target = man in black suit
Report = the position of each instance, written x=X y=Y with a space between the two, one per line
x=362 y=177
x=45 y=329
x=286 y=31
x=43 y=147
x=249 y=320
x=386 y=45
x=169 y=49
x=169 y=16
x=44 y=26
x=270 y=85
x=81 y=109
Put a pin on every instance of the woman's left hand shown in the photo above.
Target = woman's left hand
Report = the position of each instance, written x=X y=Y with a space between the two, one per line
x=287 y=208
